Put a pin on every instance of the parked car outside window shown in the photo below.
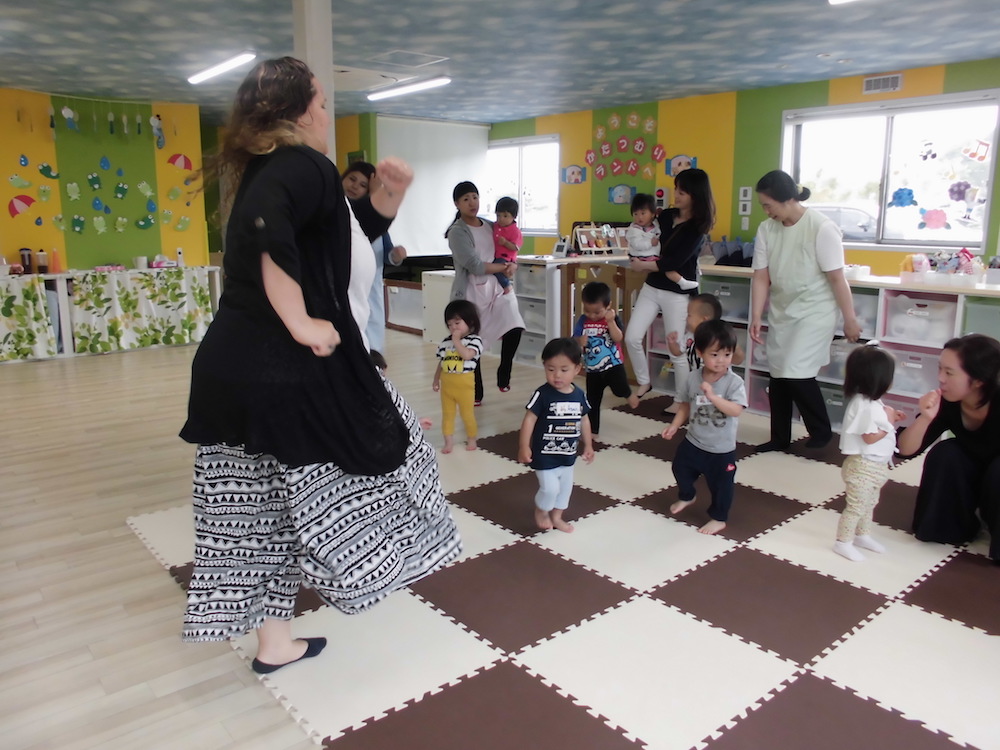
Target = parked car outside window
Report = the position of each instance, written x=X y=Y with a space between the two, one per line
x=854 y=223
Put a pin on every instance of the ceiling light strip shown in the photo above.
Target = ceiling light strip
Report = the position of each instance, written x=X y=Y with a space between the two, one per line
x=430 y=83
x=223 y=67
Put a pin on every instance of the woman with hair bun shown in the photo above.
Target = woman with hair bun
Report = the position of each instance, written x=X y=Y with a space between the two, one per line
x=798 y=262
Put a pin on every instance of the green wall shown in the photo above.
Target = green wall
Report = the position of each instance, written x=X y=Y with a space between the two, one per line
x=92 y=164
x=972 y=76
x=513 y=129
x=367 y=135
x=758 y=137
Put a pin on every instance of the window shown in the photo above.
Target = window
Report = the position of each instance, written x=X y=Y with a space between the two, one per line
x=900 y=173
x=526 y=169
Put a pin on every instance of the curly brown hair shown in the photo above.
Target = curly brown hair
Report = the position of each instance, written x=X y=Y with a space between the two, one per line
x=273 y=96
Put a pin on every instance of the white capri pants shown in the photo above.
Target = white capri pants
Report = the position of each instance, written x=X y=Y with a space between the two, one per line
x=554 y=488
x=648 y=304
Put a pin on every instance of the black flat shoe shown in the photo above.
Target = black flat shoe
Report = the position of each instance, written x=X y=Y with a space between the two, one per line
x=769 y=446
x=316 y=645
x=818 y=442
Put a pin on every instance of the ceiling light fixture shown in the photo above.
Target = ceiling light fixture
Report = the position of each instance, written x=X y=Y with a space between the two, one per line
x=222 y=67
x=430 y=83
x=841 y=2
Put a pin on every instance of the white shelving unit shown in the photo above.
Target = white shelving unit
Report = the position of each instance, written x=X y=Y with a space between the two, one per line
x=913 y=321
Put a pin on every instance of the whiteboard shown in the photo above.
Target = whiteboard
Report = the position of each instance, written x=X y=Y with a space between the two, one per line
x=442 y=154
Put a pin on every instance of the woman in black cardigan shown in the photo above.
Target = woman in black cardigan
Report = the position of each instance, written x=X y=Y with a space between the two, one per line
x=961 y=475
x=682 y=230
x=310 y=467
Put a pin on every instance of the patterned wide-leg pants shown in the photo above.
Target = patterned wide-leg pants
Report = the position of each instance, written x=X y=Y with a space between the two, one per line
x=262 y=528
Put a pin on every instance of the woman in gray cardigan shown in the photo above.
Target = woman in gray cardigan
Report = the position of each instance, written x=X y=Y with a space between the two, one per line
x=471 y=241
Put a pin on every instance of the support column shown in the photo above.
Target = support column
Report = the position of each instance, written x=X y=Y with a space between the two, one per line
x=313 y=35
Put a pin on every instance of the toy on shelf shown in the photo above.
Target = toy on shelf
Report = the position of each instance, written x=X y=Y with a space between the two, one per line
x=604 y=239
x=961 y=268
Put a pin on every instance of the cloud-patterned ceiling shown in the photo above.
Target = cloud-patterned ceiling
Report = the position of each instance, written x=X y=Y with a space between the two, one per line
x=508 y=60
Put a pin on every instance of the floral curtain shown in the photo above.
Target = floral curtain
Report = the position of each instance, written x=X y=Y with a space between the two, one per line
x=25 y=326
x=135 y=309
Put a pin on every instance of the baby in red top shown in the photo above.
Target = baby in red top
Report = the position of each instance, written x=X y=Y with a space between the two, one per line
x=507 y=239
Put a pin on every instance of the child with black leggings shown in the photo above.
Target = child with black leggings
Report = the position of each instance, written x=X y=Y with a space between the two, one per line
x=600 y=332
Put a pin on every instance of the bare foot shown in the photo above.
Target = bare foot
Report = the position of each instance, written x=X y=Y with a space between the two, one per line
x=712 y=527
x=470 y=445
x=560 y=524
x=642 y=390
x=595 y=437
x=633 y=401
x=449 y=444
x=672 y=409
x=542 y=519
x=680 y=505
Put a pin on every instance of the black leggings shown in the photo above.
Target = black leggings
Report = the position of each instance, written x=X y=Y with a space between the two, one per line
x=508 y=348
x=614 y=378
x=805 y=394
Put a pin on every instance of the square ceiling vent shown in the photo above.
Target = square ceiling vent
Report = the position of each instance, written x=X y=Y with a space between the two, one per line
x=405 y=59
x=360 y=79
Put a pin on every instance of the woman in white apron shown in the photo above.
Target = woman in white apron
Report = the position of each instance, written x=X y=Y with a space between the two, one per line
x=798 y=261
x=471 y=241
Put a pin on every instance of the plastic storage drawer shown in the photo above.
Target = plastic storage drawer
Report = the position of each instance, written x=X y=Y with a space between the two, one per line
x=741 y=341
x=758 y=360
x=982 y=315
x=661 y=373
x=908 y=406
x=529 y=281
x=530 y=349
x=865 y=310
x=916 y=370
x=924 y=319
x=840 y=350
x=757 y=393
x=533 y=312
x=657 y=337
x=734 y=296
x=833 y=397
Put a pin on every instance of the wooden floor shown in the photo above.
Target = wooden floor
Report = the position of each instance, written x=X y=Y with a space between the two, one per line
x=90 y=655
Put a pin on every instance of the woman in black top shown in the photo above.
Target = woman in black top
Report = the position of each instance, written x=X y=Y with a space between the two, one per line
x=962 y=475
x=309 y=465
x=682 y=230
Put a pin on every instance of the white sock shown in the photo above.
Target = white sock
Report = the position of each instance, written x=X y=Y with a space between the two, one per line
x=687 y=284
x=846 y=549
x=866 y=542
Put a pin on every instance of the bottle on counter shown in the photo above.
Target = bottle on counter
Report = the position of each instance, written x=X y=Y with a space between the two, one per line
x=180 y=257
x=26 y=260
x=55 y=264
x=42 y=261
